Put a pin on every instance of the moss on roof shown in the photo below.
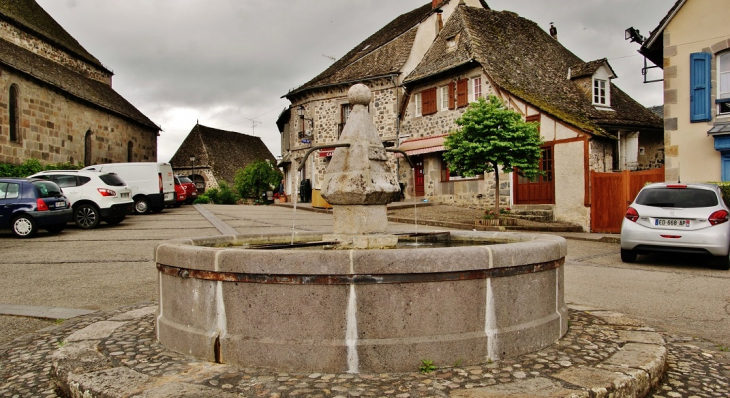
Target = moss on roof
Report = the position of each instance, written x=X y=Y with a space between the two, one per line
x=527 y=62
x=27 y=14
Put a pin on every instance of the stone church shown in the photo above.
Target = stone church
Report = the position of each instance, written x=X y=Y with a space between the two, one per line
x=57 y=103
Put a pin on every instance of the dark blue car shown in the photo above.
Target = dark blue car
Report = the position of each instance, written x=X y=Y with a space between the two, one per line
x=28 y=204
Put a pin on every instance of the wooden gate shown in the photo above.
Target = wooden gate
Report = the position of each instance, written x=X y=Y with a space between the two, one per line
x=611 y=194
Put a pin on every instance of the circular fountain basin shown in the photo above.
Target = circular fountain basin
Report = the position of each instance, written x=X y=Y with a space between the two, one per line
x=366 y=311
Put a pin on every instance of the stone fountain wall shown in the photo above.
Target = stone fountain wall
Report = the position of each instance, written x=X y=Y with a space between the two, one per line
x=360 y=310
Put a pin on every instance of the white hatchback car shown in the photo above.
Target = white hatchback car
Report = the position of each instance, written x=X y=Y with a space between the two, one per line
x=677 y=218
x=94 y=195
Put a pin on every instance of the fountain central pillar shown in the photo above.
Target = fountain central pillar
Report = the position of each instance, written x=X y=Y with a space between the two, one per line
x=359 y=181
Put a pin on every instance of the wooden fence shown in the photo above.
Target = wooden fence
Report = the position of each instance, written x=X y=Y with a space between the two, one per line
x=611 y=194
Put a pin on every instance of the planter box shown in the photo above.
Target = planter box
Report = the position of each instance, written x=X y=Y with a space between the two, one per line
x=496 y=222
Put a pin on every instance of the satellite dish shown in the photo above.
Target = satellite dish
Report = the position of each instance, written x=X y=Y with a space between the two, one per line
x=308 y=132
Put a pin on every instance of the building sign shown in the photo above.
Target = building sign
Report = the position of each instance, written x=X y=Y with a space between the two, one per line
x=326 y=152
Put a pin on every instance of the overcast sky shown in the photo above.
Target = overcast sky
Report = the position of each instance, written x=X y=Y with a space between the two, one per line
x=226 y=63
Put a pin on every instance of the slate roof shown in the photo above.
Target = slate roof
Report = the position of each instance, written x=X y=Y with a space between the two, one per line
x=658 y=110
x=381 y=54
x=522 y=59
x=222 y=151
x=28 y=15
x=70 y=82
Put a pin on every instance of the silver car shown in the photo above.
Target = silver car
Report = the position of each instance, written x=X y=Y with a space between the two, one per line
x=677 y=218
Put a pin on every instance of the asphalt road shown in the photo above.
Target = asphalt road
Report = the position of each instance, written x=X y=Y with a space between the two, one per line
x=111 y=267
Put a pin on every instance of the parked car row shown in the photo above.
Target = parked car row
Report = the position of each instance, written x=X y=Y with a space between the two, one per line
x=106 y=192
x=185 y=191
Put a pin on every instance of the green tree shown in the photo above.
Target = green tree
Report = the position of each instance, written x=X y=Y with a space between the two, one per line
x=256 y=178
x=490 y=135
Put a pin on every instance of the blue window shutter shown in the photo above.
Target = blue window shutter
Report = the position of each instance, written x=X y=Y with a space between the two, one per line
x=700 y=69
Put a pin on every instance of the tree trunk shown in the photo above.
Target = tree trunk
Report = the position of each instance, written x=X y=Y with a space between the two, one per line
x=496 y=191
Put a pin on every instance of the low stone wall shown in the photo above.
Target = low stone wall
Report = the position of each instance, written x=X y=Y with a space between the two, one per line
x=360 y=310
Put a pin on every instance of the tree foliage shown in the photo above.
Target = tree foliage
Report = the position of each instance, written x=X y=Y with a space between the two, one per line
x=490 y=135
x=256 y=178
x=221 y=195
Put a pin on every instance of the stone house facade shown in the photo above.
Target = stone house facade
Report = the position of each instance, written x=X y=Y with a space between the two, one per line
x=696 y=72
x=586 y=122
x=209 y=155
x=56 y=98
x=319 y=108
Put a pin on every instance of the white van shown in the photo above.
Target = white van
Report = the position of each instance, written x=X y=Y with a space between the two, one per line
x=152 y=184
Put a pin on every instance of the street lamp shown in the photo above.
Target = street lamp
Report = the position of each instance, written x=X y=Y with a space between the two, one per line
x=192 y=167
x=300 y=113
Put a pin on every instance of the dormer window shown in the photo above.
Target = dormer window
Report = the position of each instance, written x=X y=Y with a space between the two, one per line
x=451 y=42
x=601 y=93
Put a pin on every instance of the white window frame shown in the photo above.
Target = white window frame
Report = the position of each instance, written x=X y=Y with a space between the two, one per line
x=598 y=99
x=475 y=86
x=444 y=98
x=723 y=79
x=419 y=105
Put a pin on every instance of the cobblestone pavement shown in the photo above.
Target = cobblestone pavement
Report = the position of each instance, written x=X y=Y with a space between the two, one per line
x=694 y=370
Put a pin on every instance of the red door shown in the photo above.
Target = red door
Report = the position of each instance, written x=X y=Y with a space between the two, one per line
x=418 y=177
x=542 y=190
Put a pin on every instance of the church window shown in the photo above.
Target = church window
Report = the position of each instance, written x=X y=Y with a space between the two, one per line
x=87 y=148
x=14 y=114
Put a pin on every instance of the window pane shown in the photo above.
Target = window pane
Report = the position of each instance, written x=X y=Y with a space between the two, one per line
x=3 y=189
x=725 y=62
x=725 y=85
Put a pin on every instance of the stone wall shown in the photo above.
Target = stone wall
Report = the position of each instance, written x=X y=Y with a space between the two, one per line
x=324 y=107
x=53 y=127
x=31 y=43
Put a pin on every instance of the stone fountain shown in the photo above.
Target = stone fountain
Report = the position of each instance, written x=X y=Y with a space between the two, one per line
x=263 y=301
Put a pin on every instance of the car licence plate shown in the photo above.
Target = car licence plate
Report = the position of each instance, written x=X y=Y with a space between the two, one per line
x=61 y=204
x=125 y=194
x=671 y=222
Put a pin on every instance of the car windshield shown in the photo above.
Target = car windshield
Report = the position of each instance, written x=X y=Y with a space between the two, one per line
x=677 y=197
x=47 y=189
x=185 y=180
x=112 y=179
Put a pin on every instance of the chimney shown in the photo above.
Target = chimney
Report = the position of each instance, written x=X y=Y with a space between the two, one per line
x=435 y=4
x=553 y=31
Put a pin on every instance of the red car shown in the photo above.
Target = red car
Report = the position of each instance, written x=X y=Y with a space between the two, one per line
x=180 y=195
x=190 y=189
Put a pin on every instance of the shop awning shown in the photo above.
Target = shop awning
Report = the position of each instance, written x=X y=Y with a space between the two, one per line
x=423 y=145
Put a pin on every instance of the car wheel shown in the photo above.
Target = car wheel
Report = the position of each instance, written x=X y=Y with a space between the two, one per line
x=628 y=256
x=114 y=220
x=24 y=226
x=86 y=216
x=722 y=262
x=54 y=229
x=141 y=206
